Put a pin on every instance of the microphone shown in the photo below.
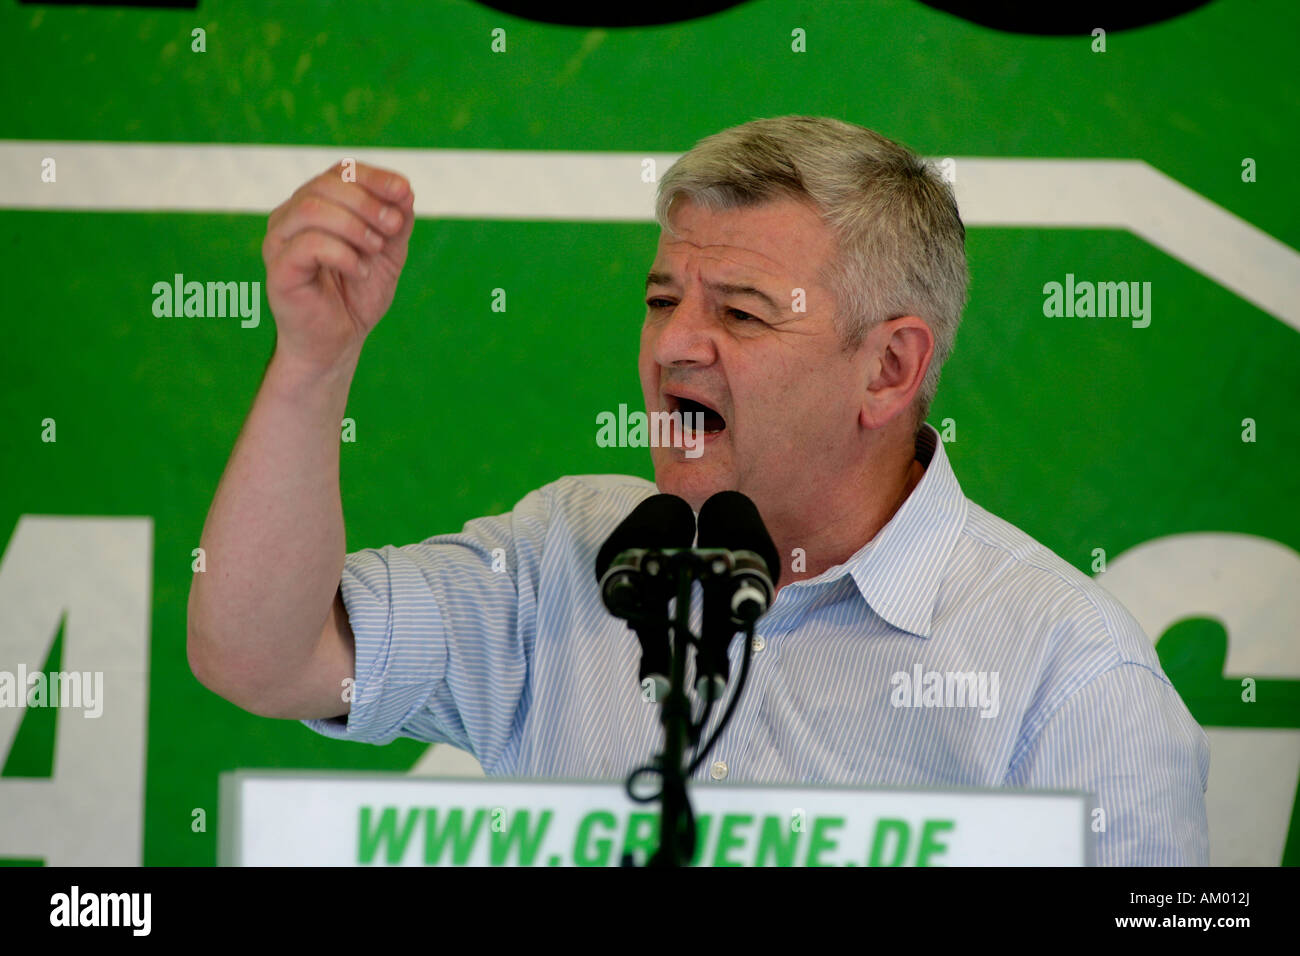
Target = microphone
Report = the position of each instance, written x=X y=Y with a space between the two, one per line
x=731 y=522
x=658 y=523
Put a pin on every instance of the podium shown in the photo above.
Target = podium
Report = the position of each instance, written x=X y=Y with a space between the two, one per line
x=305 y=818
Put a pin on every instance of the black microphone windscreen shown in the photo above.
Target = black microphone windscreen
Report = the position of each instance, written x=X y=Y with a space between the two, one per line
x=661 y=521
x=730 y=520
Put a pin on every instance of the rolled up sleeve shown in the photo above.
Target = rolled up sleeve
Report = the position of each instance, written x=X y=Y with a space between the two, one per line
x=443 y=632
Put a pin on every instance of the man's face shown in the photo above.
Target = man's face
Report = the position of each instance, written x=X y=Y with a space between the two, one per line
x=783 y=393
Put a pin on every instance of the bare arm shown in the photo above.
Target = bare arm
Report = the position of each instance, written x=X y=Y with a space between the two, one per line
x=267 y=627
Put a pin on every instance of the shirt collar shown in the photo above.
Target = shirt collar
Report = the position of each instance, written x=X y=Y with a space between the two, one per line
x=899 y=571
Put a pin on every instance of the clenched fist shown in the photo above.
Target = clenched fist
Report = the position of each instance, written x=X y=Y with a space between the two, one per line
x=333 y=252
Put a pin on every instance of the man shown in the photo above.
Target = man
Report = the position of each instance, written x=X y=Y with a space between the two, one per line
x=806 y=289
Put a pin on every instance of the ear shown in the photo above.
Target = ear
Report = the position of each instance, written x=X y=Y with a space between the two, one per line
x=898 y=355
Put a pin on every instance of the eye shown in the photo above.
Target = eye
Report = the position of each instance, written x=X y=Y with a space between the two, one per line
x=743 y=316
x=657 y=303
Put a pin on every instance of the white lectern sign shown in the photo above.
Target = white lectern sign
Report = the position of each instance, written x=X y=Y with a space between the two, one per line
x=348 y=819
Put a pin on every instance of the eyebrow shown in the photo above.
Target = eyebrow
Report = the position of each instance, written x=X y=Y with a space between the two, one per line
x=726 y=288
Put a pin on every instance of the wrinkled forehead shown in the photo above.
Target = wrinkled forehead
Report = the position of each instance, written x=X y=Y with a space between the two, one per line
x=780 y=239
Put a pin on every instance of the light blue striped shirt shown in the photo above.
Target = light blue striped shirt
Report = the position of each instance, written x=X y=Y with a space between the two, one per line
x=523 y=667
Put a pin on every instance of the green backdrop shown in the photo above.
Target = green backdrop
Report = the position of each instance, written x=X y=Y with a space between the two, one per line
x=1086 y=433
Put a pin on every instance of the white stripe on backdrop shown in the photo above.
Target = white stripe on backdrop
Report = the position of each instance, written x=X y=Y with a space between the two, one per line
x=609 y=187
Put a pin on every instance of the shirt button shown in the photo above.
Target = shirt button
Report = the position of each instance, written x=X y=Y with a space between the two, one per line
x=758 y=643
x=718 y=771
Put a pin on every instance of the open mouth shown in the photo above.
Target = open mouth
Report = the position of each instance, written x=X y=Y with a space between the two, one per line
x=713 y=422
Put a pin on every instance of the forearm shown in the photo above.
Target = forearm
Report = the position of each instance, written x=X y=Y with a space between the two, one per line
x=274 y=536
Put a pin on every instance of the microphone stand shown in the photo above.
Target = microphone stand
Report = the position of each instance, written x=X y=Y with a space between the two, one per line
x=677 y=832
x=676 y=822
x=636 y=584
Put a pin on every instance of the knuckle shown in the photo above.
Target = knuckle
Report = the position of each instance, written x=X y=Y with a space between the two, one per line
x=299 y=246
x=312 y=242
x=373 y=207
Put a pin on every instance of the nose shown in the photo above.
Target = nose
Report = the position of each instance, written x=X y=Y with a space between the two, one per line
x=683 y=334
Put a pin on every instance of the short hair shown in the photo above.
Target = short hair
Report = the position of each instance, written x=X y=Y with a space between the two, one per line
x=900 y=240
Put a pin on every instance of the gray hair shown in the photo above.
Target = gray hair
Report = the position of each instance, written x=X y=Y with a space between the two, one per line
x=901 y=243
